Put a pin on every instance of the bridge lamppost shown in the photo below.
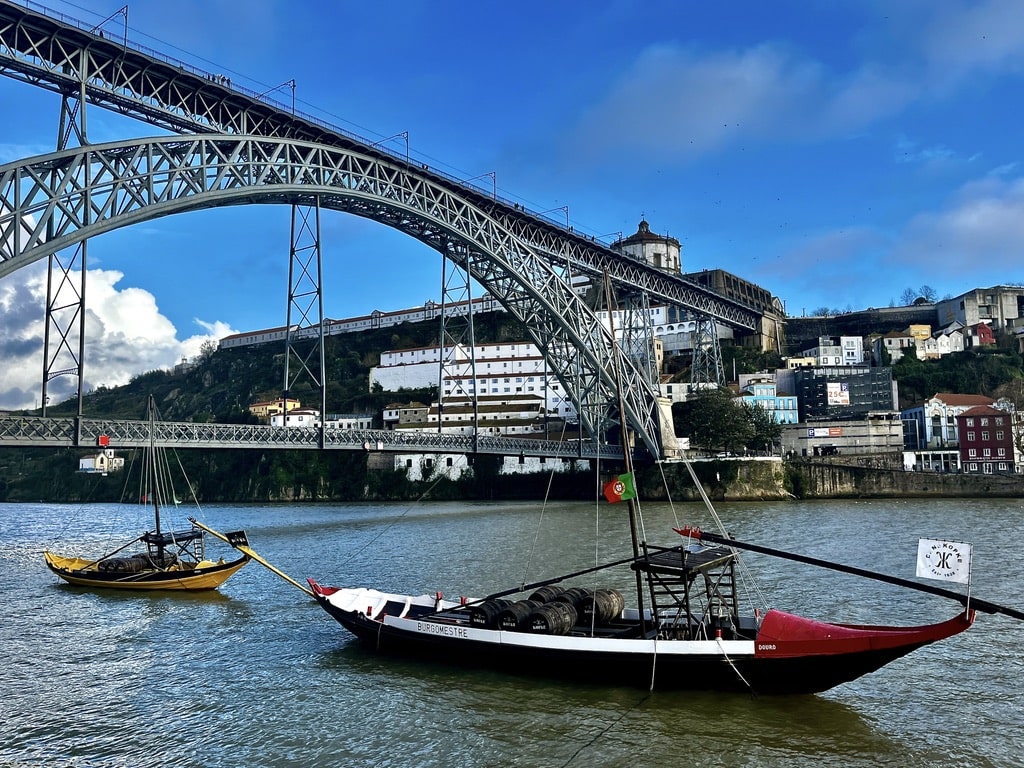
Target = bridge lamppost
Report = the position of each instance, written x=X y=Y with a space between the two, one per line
x=402 y=135
x=122 y=11
x=493 y=176
x=285 y=84
x=564 y=208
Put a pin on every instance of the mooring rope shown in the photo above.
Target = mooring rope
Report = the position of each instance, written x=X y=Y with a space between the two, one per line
x=396 y=520
x=607 y=728
x=731 y=664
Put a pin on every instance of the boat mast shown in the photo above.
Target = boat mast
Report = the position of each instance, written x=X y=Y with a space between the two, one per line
x=627 y=452
x=151 y=491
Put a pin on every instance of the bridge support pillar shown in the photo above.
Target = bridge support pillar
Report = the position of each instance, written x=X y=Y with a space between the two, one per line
x=304 y=326
x=65 y=280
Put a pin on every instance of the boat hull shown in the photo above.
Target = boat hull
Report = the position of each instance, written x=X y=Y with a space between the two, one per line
x=803 y=660
x=82 y=572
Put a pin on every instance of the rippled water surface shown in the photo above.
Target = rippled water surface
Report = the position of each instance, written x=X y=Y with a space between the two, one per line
x=257 y=675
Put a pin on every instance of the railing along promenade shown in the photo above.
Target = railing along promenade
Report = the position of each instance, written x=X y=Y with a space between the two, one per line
x=90 y=432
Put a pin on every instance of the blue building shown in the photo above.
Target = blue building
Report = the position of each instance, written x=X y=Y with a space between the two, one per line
x=759 y=390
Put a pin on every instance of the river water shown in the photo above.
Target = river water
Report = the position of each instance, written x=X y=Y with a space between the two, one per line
x=257 y=675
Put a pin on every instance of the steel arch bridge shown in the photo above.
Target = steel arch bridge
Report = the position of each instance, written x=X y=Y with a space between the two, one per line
x=51 y=202
x=245 y=148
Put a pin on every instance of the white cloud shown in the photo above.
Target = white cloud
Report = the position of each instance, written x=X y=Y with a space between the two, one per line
x=963 y=39
x=676 y=102
x=979 y=233
x=125 y=335
x=673 y=101
x=972 y=241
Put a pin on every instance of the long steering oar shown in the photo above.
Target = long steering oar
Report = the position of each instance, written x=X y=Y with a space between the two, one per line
x=982 y=605
x=239 y=542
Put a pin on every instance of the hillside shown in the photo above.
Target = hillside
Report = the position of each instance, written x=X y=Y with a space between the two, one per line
x=223 y=383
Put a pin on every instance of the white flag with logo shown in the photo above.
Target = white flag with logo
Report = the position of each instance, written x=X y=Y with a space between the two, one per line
x=944 y=560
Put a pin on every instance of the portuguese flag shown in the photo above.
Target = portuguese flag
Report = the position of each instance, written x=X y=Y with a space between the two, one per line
x=620 y=488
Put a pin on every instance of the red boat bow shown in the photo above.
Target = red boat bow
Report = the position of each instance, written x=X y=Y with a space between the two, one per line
x=785 y=635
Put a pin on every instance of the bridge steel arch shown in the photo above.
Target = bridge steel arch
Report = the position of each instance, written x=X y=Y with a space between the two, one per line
x=50 y=202
x=68 y=56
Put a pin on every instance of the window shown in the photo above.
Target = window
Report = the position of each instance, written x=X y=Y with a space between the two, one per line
x=971 y=436
x=987 y=451
x=999 y=434
x=984 y=421
x=986 y=468
x=972 y=452
x=1002 y=466
x=970 y=422
x=985 y=434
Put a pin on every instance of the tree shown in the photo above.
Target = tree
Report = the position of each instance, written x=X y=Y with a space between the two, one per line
x=907 y=297
x=884 y=356
x=929 y=294
x=712 y=421
x=766 y=431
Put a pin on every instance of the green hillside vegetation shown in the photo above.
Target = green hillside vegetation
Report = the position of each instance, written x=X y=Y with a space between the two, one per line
x=223 y=383
x=219 y=389
x=991 y=371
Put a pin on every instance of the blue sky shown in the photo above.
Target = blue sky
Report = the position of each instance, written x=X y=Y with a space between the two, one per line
x=835 y=153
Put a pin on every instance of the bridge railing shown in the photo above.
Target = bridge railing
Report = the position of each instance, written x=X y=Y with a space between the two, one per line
x=88 y=432
x=280 y=106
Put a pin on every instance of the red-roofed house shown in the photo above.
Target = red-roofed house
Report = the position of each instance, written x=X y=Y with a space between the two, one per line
x=936 y=418
x=986 y=441
x=981 y=335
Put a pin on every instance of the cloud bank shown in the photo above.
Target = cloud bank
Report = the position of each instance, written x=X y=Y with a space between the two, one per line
x=125 y=335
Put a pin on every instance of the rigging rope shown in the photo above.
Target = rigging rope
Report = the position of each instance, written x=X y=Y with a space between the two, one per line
x=746 y=577
x=544 y=506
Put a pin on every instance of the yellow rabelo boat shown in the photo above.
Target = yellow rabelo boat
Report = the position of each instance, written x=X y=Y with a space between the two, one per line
x=158 y=559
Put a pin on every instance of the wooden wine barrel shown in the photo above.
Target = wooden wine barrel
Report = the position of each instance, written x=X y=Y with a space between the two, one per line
x=607 y=603
x=554 y=618
x=546 y=594
x=575 y=596
x=514 y=617
x=485 y=614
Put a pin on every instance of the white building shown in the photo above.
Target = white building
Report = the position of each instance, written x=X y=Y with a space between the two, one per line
x=506 y=369
x=103 y=463
x=1001 y=306
x=424 y=466
x=933 y=423
x=519 y=415
x=846 y=350
x=944 y=342
x=310 y=417
x=659 y=251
